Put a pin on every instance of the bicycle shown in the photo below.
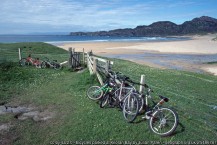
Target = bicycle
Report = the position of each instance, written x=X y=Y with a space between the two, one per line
x=29 y=60
x=96 y=92
x=162 y=120
x=53 y=64
x=115 y=92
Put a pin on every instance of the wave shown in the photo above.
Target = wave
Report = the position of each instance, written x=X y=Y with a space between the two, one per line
x=59 y=39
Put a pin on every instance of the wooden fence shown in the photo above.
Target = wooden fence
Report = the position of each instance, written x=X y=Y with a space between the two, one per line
x=96 y=65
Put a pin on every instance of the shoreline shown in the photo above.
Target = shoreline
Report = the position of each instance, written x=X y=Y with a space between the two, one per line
x=196 y=45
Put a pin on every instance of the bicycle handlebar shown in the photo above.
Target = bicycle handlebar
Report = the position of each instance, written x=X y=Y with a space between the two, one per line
x=130 y=81
x=117 y=75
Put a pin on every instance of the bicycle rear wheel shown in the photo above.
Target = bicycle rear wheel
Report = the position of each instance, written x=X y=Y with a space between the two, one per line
x=57 y=66
x=94 y=93
x=130 y=108
x=43 y=64
x=163 y=121
x=22 y=62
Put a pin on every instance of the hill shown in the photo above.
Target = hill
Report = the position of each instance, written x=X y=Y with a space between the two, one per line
x=200 y=25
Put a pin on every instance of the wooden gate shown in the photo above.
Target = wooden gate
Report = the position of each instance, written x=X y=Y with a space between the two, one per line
x=75 y=59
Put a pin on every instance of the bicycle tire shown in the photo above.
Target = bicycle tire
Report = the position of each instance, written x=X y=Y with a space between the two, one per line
x=43 y=64
x=158 y=117
x=94 y=93
x=122 y=96
x=57 y=66
x=130 y=108
x=104 y=101
x=141 y=104
x=22 y=62
x=140 y=101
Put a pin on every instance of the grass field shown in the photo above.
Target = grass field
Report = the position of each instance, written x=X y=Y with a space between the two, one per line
x=77 y=118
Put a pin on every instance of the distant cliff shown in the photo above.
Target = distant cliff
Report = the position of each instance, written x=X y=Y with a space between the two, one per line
x=200 y=25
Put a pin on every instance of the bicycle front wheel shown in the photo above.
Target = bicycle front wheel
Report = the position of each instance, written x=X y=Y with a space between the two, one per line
x=163 y=121
x=140 y=101
x=104 y=100
x=94 y=93
x=130 y=108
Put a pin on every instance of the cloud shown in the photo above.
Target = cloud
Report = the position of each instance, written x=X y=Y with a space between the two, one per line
x=77 y=15
x=65 y=12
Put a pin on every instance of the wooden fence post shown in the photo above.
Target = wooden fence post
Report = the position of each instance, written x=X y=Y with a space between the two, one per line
x=94 y=65
x=73 y=61
x=20 y=57
x=83 y=57
x=89 y=64
x=70 y=57
x=142 y=81
x=107 y=66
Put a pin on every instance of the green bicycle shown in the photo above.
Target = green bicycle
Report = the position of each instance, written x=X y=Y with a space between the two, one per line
x=96 y=92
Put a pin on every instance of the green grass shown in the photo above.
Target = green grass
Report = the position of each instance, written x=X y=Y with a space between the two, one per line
x=9 y=51
x=79 y=119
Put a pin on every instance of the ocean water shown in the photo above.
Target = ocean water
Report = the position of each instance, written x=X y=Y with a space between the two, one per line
x=58 y=39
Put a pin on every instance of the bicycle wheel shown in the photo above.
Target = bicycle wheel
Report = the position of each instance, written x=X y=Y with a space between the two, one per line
x=57 y=66
x=124 y=92
x=104 y=100
x=43 y=64
x=22 y=62
x=140 y=101
x=94 y=93
x=163 y=121
x=130 y=108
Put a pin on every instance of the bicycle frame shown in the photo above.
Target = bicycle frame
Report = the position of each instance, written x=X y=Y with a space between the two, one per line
x=105 y=89
x=155 y=105
x=129 y=90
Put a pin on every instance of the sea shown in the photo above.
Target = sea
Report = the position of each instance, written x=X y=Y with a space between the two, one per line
x=59 y=39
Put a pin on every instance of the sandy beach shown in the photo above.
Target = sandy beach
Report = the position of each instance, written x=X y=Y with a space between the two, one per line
x=197 y=45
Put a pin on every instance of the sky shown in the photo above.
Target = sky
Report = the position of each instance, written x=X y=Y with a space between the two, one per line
x=53 y=16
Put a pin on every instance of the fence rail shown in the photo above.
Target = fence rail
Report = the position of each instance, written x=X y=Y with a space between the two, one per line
x=98 y=66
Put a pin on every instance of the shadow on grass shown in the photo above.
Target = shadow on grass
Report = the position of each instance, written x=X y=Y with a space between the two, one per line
x=139 y=121
x=180 y=128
